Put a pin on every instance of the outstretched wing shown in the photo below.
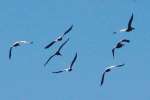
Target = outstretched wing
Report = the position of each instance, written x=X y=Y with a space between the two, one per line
x=73 y=61
x=68 y=30
x=49 y=45
x=102 y=80
x=130 y=21
x=63 y=45
x=58 y=71
x=49 y=59
x=10 y=52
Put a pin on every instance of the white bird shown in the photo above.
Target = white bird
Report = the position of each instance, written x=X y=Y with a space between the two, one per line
x=16 y=44
x=70 y=67
x=108 y=69
x=59 y=38
x=129 y=28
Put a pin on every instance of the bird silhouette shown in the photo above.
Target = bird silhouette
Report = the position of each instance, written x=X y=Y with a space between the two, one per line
x=108 y=69
x=70 y=67
x=129 y=27
x=57 y=53
x=59 y=38
x=16 y=44
x=120 y=44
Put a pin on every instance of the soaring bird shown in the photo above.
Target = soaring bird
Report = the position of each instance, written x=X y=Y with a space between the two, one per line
x=59 y=38
x=70 y=67
x=129 y=28
x=120 y=44
x=108 y=69
x=16 y=44
x=57 y=53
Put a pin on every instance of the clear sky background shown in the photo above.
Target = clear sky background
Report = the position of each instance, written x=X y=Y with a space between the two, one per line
x=24 y=76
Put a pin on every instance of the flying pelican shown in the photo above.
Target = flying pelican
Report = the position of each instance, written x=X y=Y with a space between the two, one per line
x=120 y=44
x=129 y=28
x=16 y=44
x=59 y=38
x=108 y=69
x=57 y=53
x=70 y=67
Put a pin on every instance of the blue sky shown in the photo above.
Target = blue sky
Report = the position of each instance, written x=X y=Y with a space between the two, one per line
x=24 y=76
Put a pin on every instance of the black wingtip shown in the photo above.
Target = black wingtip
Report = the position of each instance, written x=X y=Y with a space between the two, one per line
x=113 y=53
x=9 y=58
x=122 y=65
x=49 y=45
x=72 y=26
x=10 y=52
x=128 y=41
x=132 y=14
x=76 y=54
x=57 y=72
x=45 y=47
x=125 y=40
x=101 y=85
x=68 y=30
x=31 y=42
x=114 y=32
x=102 y=80
x=45 y=63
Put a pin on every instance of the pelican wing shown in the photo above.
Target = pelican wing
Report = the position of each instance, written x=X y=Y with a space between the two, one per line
x=120 y=65
x=73 y=61
x=49 y=59
x=130 y=21
x=10 y=52
x=102 y=80
x=58 y=71
x=49 y=45
x=68 y=30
